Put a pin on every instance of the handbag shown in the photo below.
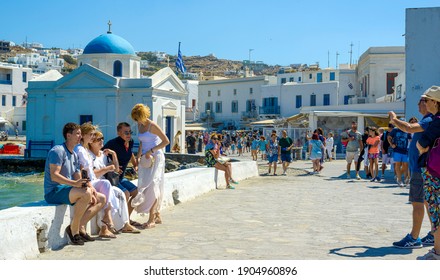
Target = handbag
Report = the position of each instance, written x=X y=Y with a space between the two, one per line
x=223 y=160
x=146 y=162
x=433 y=161
x=113 y=177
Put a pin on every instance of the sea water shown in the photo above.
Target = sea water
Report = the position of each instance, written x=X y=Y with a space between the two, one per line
x=17 y=189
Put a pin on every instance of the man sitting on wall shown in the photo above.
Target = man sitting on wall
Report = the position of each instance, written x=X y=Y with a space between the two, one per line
x=63 y=184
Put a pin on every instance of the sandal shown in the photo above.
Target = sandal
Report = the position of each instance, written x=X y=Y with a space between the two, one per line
x=135 y=224
x=110 y=227
x=130 y=230
x=148 y=225
x=230 y=187
x=157 y=219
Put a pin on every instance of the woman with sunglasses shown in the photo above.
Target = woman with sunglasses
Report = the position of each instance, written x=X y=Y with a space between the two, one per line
x=431 y=181
x=105 y=220
x=212 y=152
x=102 y=165
x=151 y=165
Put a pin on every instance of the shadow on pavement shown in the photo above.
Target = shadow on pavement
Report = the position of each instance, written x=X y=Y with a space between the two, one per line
x=384 y=187
x=368 y=252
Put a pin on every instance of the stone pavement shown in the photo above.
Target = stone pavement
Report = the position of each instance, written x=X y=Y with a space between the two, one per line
x=299 y=216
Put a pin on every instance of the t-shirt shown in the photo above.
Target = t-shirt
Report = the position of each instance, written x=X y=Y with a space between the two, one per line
x=372 y=141
x=413 y=152
x=124 y=155
x=284 y=144
x=400 y=139
x=61 y=156
x=255 y=144
x=385 y=142
x=263 y=145
x=353 y=145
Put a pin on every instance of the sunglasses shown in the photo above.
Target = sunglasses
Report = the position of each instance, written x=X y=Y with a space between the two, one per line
x=99 y=139
x=128 y=132
x=214 y=138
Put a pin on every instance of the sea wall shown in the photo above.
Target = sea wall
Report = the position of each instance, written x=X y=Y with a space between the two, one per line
x=27 y=230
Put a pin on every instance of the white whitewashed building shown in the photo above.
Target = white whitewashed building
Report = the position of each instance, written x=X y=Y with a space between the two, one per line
x=13 y=83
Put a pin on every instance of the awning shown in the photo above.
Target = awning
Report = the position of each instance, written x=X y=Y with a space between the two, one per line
x=265 y=122
x=189 y=128
x=296 y=117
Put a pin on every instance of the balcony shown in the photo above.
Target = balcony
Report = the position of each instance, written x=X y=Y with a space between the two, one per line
x=270 y=110
x=204 y=116
x=249 y=115
x=5 y=82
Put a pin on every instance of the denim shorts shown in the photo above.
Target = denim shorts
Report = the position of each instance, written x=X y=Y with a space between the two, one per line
x=126 y=185
x=398 y=157
x=59 y=195
x=273 y=158
x=286 y=157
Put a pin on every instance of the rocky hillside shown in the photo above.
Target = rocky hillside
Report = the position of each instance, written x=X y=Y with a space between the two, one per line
x=206 y=65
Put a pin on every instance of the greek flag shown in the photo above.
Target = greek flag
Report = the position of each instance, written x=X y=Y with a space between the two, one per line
x=179 y=62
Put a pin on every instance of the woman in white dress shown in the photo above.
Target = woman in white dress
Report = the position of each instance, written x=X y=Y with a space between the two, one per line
x=151 y=165
x=101 y=166
x=105 y=221
x=329 y=142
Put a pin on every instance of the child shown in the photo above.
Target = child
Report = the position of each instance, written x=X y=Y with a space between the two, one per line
x=254 y=147
x=262 y=148
x=233 y=147
x=373 y=153
x=315 y=150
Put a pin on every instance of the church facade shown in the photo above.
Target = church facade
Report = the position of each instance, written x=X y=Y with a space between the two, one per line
x=103 y=90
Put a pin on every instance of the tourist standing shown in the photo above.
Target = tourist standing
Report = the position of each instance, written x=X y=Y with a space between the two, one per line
x=329 y=146
x=262 y=147
x=63 y=185
x=432 y=183
x=274 y=152
x=354 y=146
x=286 y=144
x=123 y=146
x=373 y=153
x=151 y=160
x=399 y=142
x=387 y=151
x=416 y=192
x=176 y=142
x=315 y=151
x=191 y=143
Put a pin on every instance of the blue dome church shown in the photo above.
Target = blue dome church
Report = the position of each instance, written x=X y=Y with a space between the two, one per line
x=103 y=90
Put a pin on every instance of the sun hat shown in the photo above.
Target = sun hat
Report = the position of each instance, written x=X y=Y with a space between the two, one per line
x=432 y=93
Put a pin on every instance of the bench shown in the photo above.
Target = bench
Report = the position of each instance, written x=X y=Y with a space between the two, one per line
x=35 y=145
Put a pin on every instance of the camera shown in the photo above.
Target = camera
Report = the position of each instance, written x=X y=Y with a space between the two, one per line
x=84 y=175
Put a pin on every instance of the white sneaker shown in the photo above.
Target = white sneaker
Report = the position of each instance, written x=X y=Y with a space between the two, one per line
x=431 y=255
x=400 y=184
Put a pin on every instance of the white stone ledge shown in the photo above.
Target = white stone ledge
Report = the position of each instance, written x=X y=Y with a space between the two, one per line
x=27 y=230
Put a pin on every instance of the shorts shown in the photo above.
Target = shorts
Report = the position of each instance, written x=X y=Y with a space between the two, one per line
x=350 y=156
x=126 y=185
x=398 y=157
x=373 y=156
x=286 y=157
x=262 y=152
x=387 y=159
x=273 y=158
x=416 y=192
x=59 y=195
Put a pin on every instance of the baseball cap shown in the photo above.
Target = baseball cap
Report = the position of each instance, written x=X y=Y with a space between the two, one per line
x=432 y=93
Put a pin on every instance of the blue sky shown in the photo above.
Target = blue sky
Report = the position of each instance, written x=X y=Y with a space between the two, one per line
x=279 y=31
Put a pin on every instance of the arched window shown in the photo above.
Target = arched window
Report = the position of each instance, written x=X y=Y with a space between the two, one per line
x=117 y=68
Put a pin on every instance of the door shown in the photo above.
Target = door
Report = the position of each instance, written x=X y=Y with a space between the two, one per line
x=168 y=130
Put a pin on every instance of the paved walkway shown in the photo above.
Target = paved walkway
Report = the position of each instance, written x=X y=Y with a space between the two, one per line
x=299 y=216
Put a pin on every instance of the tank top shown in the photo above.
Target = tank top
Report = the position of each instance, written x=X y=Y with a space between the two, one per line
x=149 y=140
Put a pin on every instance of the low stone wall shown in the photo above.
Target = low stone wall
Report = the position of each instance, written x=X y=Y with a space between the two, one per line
x=27 y=230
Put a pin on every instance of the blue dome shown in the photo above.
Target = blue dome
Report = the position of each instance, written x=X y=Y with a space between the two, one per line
x=109 y=43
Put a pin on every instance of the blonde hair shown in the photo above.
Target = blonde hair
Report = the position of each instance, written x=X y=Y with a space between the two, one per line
x=98 y=134
x=87 y=128
x=140 y=112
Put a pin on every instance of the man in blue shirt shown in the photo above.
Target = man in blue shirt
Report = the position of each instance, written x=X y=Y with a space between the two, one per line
x=63 y=185
x=416 y=193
